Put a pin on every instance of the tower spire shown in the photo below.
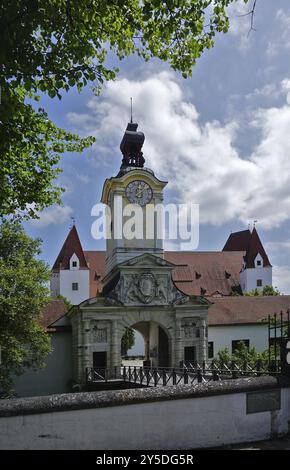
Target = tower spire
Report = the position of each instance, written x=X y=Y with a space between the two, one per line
x=131 y=145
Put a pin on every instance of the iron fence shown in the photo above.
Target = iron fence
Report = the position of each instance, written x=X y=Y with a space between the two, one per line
x=278 y=332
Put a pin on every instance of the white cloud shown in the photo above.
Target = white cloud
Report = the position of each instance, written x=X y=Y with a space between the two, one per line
x=281 y=279
x=278 y=246
x=269 y=90
x=52 y=216
x=200 y=162
x=282 y=40
x=240 y=24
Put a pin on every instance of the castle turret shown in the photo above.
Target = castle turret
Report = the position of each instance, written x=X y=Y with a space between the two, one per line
x=256 y=272
x=70 y=272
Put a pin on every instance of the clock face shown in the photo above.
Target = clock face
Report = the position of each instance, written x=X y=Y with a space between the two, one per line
x=139 y=192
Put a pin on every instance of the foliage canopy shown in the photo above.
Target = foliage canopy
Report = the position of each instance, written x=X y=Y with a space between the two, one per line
x=51 y=46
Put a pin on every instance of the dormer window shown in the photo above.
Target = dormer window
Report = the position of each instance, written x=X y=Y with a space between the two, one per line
x=74 y=262
x=259 y=261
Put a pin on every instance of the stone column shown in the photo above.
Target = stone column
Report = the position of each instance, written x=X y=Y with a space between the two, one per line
x=87 y=359
x=79 y=350
x=202 y=342
x=115 y=348
x=153 y=343
x=179 y=346
x=147 y=349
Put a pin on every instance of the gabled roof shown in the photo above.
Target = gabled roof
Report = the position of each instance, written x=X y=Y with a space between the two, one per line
x=250 y=243
x=195 y=273
x=238 y=241
x=147 y=259
x=255 y=248
x=71 y=245
x=238 y=310
x=54 y=310
x=206 y=273
x=97 y=264
x=231 y=310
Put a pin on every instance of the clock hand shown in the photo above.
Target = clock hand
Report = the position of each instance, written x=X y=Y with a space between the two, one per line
x=140 y=191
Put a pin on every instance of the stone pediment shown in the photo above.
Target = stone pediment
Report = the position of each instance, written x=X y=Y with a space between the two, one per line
x=100 y=301
x=144 y=280
x=146 y=260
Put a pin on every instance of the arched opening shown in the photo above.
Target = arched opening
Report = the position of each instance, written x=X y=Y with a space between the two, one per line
x=132 y=347
x=155 y=348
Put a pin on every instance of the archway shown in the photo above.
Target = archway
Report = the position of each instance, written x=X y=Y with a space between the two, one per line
x=156 y=343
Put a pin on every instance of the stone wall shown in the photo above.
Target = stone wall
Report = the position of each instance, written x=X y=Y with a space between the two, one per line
x=183 y=417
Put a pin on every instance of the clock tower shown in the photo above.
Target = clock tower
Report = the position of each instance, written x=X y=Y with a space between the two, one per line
x=137 y=290
x=134 y=199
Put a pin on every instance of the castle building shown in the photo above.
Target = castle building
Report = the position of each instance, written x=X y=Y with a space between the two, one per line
x=240 y=267
x=183 y=303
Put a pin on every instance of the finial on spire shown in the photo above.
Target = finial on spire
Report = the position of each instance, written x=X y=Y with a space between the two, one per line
x=131 y=99
x=73 y=222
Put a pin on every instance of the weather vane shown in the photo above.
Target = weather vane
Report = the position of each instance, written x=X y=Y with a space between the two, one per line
x=73 y=221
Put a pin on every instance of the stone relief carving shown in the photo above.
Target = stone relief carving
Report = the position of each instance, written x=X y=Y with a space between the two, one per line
x=147 y=288
x=144 y=288
x=190 y=328
x=99 y=335
x=188 y=332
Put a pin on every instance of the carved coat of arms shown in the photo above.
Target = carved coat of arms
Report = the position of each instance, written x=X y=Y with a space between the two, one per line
x=146 y=288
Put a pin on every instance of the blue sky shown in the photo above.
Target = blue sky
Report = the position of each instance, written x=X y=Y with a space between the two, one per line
x=221 y=138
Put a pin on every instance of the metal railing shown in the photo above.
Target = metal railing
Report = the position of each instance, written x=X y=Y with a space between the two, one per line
x=97 y=374
x=187 y=373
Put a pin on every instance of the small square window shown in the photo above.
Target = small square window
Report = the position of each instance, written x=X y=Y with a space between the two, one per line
x=210 y=350
x=74 y=264
x=259 y=262
x=259 y=282
x=75 y=286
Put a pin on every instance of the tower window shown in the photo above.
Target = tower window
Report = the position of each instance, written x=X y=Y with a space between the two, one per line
x=259 y=282
x=75 y=286
x=259 y=263
x=74 y=264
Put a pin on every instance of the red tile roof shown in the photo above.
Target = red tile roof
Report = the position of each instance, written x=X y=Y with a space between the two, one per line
x=54 y=310
x=234 y=310
x=96 y=261
x=231 y=310
x=71 y=245
x=238 y=241
x=249 y=242
x=206 y=273
x=255 y=247
x=196 y=273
